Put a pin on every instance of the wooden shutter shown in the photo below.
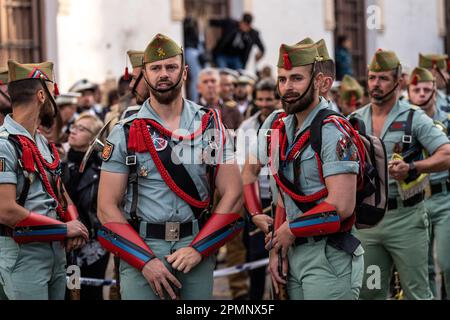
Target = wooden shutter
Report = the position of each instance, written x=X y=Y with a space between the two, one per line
x=21 y=31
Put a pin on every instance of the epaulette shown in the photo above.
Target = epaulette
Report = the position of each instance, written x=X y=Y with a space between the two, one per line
x=3 y=133
x=413 y=106
x=127 y=120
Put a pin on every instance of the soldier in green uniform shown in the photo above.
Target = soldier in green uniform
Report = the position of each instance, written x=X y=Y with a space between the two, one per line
x=422 y=93
x=317 y=268
x=438 y=65
x=36 y=215
x=161 y=159
x=402 y=238
x=350 y=95
x=138 y=91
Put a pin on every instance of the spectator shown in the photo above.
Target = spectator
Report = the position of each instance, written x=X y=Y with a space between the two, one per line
x=208 y=87
x=89 y=96
x=67 y=104
x=193 y=54
x=228 y=82
x=238 y=37
x=83 y=189
x=244 y=90
x=344 y=60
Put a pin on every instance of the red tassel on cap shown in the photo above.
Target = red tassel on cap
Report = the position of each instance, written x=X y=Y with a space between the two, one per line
x=56 y=90
x=287 y=62
x=126 y=77
x=415 y=80
x=448 y=65
x=379 y=50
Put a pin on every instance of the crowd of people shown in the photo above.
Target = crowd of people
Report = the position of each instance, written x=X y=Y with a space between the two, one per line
x=53 y=183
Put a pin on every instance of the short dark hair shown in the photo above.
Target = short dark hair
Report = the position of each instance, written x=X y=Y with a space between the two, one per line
x=327 y=67
x=123 y=85
x=264 y=85
x=341 y=39
x=247 y=18
x=23 y=91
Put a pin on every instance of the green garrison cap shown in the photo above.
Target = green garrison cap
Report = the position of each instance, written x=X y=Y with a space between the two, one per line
x=161 y=48
x=3 y=76
x=323 y=50
x=428 y=61
x=420 y=75
x=321 y=47
x=136 y=58
x=297 y=56
x=18 y=71
x=384 y=61
x=306 y=41
x=350 y=88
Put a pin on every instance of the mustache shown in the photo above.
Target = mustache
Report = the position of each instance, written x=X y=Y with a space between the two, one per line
x=291 y=94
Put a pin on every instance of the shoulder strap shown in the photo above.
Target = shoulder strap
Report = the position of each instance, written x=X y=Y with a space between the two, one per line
x=133 y=176
x=316 y=128
x=407 y=138
x=27 y=180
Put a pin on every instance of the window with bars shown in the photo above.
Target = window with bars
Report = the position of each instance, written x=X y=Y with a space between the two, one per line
x=21 y=36
x=351 y=21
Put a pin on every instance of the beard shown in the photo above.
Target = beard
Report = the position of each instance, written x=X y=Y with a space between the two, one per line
x=47 y=114
x=296 y=105
x=169 y=96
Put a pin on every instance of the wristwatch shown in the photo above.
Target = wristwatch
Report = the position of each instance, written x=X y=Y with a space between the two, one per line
x=412 y=170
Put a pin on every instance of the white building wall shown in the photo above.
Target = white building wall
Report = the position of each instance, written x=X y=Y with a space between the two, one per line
x=289 y=21
x=93 y=36
x=411 y=26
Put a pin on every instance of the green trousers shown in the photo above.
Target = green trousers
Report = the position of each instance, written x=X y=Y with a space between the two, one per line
x=401 y=239
x=438 y=207
x=196 y=285
x=318 y=271
x=35 y=271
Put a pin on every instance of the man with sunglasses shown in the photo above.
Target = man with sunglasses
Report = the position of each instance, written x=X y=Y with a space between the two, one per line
x=422 y=93
x=38 y=221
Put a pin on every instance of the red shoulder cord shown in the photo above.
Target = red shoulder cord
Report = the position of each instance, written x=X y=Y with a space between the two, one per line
x=299 y=145
x=140 y=141
x=31 y=156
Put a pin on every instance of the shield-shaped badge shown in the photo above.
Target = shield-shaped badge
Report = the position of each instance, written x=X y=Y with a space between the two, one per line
x=159 y=142
x=107 y=151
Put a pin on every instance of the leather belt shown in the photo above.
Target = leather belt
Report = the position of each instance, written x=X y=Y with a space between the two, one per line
x=5 y=231
x=302 y=241
x=438 y=187
x=170 y=231
x=393 y=203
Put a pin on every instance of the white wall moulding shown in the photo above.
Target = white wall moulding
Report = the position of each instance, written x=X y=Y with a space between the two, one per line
x=329 y=15
x=177 y=11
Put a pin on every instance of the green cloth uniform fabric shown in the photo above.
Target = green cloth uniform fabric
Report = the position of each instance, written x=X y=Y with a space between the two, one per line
x=439 y=214
x=402 y=237
x=157 y=203
x=308 y=277
x=442 y=101
x=197 y=284
x=37 y=270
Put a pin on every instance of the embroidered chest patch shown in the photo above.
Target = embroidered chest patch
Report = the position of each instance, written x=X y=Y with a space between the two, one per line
x=398 y=126
x=159 y=142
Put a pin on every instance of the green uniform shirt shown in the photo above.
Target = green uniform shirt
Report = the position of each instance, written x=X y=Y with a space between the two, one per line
x=423 y=132
x=38 y=200
x=309 y=181
x=442 y=101
x=156 y=202
x=442 y=117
